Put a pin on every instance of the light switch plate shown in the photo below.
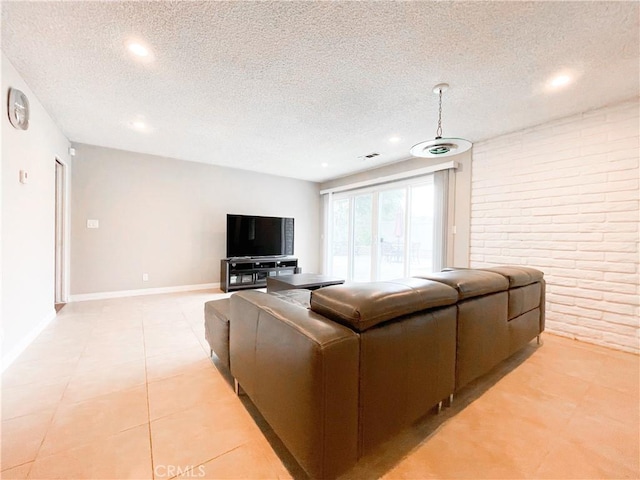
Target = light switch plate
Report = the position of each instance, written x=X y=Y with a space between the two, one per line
x=93 y=224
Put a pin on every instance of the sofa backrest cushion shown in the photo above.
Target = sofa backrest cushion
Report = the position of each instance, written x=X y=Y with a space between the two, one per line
x=363 y=305
x=470 y=283
x=517 y=276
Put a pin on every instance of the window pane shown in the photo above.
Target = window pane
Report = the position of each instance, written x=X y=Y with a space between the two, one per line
x=421 y=239
x=391 y=230
x=340 y=238
x=362 y=237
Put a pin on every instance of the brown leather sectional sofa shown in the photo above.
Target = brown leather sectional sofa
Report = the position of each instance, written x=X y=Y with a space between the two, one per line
x=368 y=359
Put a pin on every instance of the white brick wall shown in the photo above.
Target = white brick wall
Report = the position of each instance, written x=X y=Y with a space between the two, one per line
x=563 y=197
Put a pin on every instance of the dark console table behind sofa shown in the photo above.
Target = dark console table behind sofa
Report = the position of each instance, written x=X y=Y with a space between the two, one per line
x=308 y=281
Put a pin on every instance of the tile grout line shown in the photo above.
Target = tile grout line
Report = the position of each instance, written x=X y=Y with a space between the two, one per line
x=213 y=458
x=191 y=327
x=146 y=386
x=53 y=416
x=18 y=466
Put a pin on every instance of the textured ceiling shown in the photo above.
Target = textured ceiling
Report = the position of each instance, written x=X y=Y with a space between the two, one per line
x=281 y=87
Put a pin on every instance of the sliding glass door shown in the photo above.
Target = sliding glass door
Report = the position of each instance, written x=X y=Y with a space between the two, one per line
x=388 y=231
x=362 y=237
x=422 y=242
x=392 y=233
x=339 y=228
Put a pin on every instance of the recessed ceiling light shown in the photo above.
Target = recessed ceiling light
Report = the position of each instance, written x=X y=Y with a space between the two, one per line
x=324 y=164
x=138 y=49
x=394 y=139
x=139 y=125
x=560 y=81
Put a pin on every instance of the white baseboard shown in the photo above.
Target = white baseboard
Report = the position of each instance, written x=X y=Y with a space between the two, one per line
x=142 y=291
x=9 y=357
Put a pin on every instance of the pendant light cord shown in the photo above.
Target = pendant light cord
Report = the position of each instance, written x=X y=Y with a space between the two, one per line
x=439 y=130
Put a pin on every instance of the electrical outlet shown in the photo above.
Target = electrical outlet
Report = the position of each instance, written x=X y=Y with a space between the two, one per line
x=145 y=277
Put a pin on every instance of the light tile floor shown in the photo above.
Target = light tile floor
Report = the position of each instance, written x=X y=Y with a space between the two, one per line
x=124 y=388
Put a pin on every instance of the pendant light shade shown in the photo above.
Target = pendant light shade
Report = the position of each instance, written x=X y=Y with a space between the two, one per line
x=440 y=147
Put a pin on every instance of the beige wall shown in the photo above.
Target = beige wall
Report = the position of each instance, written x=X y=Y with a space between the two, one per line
x=27 y=220
x=459 y=192
x=167 y=218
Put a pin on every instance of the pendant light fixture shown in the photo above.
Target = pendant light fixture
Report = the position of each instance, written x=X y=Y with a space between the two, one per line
x=440 y=147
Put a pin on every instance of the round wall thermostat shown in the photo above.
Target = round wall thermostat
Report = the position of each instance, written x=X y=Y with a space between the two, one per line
x=18 y=109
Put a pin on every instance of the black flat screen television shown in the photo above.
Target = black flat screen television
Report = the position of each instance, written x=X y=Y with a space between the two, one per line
x=253 y=236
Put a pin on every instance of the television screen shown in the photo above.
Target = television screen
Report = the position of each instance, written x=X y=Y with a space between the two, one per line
x=253 y=236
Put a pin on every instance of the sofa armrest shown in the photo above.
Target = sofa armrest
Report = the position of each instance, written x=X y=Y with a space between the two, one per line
x=301 y=372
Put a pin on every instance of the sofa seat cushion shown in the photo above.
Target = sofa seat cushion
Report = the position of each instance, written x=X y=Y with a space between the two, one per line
x=470 y=283
x=517 y=276
x=360 y=306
